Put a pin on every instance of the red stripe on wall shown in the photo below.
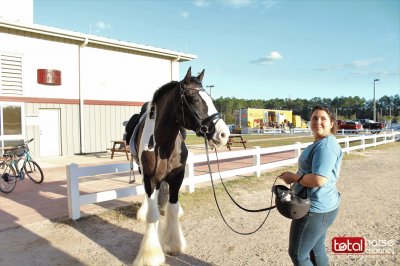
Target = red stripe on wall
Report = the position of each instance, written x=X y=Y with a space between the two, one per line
x=67 y=101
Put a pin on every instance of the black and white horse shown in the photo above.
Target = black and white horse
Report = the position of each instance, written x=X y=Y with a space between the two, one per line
x=161 y=153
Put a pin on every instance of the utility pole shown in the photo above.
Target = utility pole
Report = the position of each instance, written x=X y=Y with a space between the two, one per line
x=375 y=80
x=210 y=87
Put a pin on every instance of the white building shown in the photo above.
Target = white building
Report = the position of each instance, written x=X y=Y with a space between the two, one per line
x=68 y=90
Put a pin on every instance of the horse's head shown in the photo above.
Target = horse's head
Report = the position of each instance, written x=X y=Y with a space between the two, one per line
x=198 y=113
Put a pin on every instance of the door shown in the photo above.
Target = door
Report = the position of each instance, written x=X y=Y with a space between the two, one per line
x=49 y=128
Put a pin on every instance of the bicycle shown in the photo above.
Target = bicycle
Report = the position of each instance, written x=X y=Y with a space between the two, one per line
x=9 y=171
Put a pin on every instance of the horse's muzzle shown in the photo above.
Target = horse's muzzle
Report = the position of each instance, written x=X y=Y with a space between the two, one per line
x=220 y=135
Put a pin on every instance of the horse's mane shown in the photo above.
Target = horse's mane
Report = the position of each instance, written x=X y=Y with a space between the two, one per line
x=162 y=90
x=170 y=86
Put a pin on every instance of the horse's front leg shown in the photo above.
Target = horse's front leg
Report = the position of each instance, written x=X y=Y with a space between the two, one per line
x=171 y=236
x=150 y=252
x=142 y=212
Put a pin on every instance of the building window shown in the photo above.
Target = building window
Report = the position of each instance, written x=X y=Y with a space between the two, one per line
x=12 y=126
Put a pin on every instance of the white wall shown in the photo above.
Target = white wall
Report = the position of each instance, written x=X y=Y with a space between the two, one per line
x=105 y=74
x=113 y=75
x=17 y=10
x=39 y=53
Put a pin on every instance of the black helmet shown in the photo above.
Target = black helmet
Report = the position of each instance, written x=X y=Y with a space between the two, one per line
x=289 y=204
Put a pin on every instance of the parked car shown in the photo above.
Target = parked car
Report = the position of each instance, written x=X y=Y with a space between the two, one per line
x=350 y=126
x=374 y=127
x=231 y=128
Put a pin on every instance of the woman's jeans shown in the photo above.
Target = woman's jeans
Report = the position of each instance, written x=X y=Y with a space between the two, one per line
x=307 y=238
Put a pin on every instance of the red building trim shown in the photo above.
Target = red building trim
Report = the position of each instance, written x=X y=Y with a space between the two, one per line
x=67 y=101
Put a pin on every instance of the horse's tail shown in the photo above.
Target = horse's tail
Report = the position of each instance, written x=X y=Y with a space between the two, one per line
x=163 y=196
x=132 y=123
x=130 y=126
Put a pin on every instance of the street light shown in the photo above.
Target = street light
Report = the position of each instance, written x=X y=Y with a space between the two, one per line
x=375 y=80
x=210 y=87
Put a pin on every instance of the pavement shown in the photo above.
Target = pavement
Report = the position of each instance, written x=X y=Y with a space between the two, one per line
x=31 y=203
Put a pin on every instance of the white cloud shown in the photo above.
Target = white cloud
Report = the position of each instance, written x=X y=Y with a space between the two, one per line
x=269 y=59
x=238 y=3
x=100 y=25
x=201 y=3
x=184 y=14
x=366 y=62
x=269 y=4
x=275 y=55
x=354 y=64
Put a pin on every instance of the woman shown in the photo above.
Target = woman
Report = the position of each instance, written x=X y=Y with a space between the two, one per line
x=318 y=170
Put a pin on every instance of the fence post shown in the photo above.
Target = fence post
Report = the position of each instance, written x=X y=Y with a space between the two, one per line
x=363 y=142
x=374 y=140
x=347 y=145
x=73 y=192
x=297 y=151
x=342 y=132
x=257 y=161
x=189 y=173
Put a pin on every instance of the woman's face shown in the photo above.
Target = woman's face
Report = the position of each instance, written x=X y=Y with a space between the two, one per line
x=321 y=124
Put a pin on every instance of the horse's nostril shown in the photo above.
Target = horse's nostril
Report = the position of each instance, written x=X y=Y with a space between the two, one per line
x=223 y=135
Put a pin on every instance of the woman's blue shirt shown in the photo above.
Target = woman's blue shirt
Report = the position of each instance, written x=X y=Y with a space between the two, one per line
x=323 y=158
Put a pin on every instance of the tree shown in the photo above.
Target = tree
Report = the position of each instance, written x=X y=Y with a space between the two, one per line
x=344 y=107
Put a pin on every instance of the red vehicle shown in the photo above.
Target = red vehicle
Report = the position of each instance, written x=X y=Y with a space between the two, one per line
x=350 y=126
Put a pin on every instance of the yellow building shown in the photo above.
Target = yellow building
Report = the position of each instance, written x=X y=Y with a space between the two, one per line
x=257 y=118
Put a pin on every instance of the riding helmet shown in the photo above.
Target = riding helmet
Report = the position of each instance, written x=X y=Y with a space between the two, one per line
x=289 y=204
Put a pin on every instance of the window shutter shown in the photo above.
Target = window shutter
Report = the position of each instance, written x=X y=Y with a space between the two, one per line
x=10 y=74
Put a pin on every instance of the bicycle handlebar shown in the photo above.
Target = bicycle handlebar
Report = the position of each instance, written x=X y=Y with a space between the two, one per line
x=24 y=145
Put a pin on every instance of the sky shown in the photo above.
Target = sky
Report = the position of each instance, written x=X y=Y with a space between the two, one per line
x=256 y=49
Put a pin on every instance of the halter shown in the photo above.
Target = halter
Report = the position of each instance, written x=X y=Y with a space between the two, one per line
x=201 y=127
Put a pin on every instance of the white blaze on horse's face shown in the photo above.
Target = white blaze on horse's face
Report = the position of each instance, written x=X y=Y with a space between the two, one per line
x=221 y=135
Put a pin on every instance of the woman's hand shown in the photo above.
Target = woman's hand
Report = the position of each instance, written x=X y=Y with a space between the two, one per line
x=289 y=177
x=308 y=180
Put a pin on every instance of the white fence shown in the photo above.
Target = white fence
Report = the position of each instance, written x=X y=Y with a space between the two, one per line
x=277 y=131
x=74 y=171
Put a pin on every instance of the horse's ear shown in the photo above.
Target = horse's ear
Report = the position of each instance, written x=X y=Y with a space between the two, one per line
x=200 y=77
x=188 y=76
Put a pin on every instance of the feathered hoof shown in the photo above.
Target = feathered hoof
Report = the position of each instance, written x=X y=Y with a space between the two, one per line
x=142 y=212
x=150 y=252
x=153 y=260
x=175 y=250
x=170 y=233
x=180 y=212
x=141 y=216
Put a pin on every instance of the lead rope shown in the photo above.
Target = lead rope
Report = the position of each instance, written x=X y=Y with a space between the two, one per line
x=216 y=201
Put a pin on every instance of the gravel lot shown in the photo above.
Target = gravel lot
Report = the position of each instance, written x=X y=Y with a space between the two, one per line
x=369 y=187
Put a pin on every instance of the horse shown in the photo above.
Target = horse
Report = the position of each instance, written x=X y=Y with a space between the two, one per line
x=159 y=148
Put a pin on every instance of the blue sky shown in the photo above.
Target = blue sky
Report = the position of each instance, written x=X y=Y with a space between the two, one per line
x=256 y=49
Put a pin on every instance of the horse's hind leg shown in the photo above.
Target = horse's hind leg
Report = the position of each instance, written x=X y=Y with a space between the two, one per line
x=150 y=252
x=163 y=197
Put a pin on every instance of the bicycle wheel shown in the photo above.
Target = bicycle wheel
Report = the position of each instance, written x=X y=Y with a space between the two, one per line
x=34 y=172
x=8 y=178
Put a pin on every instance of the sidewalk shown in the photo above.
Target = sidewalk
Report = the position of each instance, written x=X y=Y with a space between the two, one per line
x=30 y=203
